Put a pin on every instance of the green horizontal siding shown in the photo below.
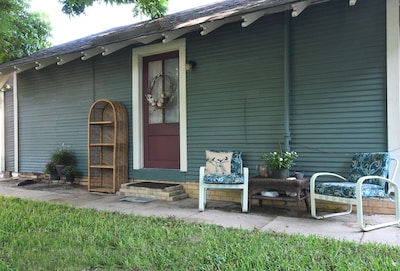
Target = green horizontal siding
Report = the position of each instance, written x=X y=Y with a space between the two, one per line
x=338 y=84
x=9 y=130
x=234 y=95
x=54 y=103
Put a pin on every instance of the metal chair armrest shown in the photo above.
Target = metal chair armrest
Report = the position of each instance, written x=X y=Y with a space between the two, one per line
x=319 y=174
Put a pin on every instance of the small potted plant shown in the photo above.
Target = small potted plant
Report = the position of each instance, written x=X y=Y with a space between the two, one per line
x=70 y=173
x=50 y=169
x=62 y=157
x=279 y=163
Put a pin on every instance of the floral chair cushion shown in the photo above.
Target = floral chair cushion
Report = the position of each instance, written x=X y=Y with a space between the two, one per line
x=348 y=189
x=224 y=179
x=235 y=176
x=369 y=164
x=237 y=163
x=363 y=164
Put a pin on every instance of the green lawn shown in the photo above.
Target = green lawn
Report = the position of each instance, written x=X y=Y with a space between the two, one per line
x=43 y=236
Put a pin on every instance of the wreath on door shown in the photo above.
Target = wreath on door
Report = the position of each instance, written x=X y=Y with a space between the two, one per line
x=162 y=99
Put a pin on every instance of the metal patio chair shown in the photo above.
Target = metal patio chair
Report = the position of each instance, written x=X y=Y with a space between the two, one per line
x=224 y=170
x=368 y=178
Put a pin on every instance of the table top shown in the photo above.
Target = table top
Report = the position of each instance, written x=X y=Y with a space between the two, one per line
x=259 y=181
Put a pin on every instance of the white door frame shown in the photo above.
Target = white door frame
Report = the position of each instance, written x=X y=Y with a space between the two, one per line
x=137 y=96
x=393 y=81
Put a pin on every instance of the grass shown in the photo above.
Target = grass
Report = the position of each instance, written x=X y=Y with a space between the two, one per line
x=44 y=236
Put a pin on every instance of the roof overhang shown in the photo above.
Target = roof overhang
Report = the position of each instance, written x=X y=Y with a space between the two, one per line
x=205 y=19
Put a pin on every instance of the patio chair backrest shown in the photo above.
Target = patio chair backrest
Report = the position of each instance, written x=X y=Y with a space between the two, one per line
x=369 y=164
x=236 y=162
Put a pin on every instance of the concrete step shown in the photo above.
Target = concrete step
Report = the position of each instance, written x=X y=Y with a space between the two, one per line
x=161 y=191
x=178 y=197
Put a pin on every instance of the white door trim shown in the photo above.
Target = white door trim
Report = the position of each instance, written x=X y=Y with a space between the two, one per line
x=137 y=118
x=393 y=81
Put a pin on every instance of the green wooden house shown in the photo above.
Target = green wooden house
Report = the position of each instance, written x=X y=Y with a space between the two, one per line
x=316 y=76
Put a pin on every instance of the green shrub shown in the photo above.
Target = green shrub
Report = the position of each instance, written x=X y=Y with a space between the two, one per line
x=63 y=156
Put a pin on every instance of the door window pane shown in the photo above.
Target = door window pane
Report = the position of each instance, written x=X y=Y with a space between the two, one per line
x=163 y=91
x=172 y=107
x=155 y=88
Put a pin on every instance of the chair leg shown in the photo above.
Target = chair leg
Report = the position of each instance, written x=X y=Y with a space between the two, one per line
x=205 y=197
x=202 y=199
x=349 y=210
x=360 y=214
x=245 y=200
x=314 y=211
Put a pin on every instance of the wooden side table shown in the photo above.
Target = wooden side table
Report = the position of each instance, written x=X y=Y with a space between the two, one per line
x=299 y=186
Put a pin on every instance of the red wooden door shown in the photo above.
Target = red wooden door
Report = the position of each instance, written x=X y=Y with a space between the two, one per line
x=161 y=111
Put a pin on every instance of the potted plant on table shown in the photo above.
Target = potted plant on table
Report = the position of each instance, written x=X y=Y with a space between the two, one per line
x=279 y=163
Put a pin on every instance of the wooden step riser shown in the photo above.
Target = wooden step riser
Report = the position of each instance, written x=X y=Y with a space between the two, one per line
x=152 y=193
x=166 y=189
x=172 y=193
x=155 y=195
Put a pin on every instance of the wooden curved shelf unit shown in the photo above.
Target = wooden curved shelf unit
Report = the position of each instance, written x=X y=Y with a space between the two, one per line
x=107 y=146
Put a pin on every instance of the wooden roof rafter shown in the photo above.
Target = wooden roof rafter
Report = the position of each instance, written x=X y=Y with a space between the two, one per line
x=113 y=47
x=8 y=70
x=43 y=63
x=174 y=34
x=149 y=38
x=86 y=54
x=250 y=18
x=24 y=67
x=208 y=27
x=352 y=2
x=62 y=59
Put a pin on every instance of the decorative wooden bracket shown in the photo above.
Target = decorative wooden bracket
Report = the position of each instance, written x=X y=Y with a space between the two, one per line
x=250 y=18
x=298 y=8
x=24 y=67
x=174 y=34
x=45 y=62
x=8 y=70
x=210 y=26
x=148 y=39
x=67 y=58
x=109 y=49
x=86 y=54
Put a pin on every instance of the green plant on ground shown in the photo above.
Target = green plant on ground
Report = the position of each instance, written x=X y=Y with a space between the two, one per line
x=63 y=156
x=59 y=159
x=70 y=173
x=50 y=168
x=39 y=235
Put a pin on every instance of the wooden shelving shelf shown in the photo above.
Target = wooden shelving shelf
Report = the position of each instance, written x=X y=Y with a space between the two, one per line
x=102 y=145
x=101 y=122
x=107 y=146
x=102 y=166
